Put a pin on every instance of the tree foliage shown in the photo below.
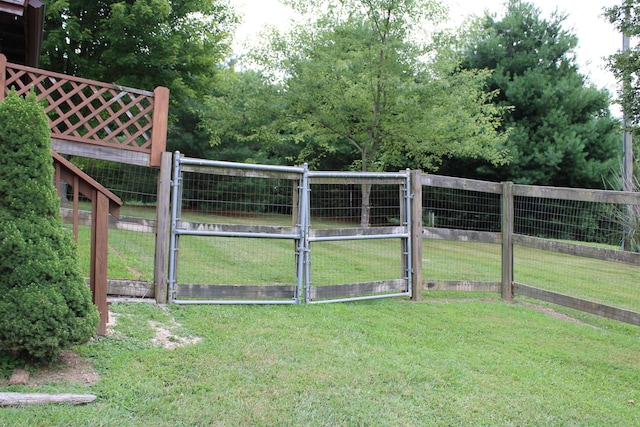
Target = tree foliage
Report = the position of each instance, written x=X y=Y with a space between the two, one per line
x=625 y=64
x=355 y=87
x=245 y=118
x=45 y=305
x=358 y=76
x=562 y=132
x=144 y=44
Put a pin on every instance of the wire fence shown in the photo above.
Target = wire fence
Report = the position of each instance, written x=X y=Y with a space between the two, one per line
x=132 y=236
x=567 y=242
x=556 y=244
x=344 y=205
x=341 y=204
x=209 y=198
x=471 y=259
x=560 y=224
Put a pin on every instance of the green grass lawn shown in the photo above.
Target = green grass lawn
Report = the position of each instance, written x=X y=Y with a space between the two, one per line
x=441 y=362
x=451 y=360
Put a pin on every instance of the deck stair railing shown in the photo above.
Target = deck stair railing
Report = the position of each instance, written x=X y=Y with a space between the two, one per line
x=95 y=119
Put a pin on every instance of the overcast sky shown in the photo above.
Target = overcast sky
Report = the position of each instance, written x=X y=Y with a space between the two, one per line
x=597 y=38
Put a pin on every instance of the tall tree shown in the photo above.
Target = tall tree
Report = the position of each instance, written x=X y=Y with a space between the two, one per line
x=357 y=76
x=625 y=63
x=144 y=44
x=562 y=132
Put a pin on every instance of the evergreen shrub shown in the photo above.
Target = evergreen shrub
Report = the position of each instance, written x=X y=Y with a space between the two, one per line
x=45 y=305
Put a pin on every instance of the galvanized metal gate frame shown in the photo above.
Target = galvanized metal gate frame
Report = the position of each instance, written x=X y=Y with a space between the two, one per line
x=301 y=236
x=177 y=230
x=403 y=232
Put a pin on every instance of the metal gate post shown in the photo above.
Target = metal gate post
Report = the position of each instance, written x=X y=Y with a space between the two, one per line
x=408 y=194
x=305 y=215
x=303 y=244
x=173 y=240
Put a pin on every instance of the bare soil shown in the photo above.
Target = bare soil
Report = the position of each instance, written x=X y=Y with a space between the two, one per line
x=70 y=368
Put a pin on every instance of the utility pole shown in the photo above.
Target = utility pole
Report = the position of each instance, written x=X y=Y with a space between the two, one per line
x=627 y=148
x=627 y=143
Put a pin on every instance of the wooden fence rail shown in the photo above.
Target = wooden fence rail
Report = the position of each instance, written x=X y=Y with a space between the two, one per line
x=508 y=239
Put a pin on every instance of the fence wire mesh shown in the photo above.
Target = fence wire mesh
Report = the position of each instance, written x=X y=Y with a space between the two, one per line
x=209 y=199
x=132 y=237
x=235 y=261
x=237 y=199
x=355 y=261
x=445 y=257
x=341 y=205
x=344 y=205
x=572 y=222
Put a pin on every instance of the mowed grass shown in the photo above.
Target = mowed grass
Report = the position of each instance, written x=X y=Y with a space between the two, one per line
x=441 y=362
x=451 y=360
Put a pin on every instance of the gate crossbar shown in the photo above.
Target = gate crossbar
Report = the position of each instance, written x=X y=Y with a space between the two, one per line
x=237 y=234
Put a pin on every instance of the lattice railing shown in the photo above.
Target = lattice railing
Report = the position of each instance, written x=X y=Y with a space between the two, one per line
x=100 y=114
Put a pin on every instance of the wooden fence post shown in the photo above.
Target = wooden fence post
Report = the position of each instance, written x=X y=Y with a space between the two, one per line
x=507 y=241
x=159 y=127
x=99 y=251
x=416 y=234
x=3 y=75
x=162 y=228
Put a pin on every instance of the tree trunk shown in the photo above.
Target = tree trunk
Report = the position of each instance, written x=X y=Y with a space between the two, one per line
x=365 y=214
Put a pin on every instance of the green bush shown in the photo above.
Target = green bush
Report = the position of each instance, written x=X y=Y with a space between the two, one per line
x=45 y=305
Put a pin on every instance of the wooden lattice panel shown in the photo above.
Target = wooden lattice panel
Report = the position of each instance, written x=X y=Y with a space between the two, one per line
x=87 y=111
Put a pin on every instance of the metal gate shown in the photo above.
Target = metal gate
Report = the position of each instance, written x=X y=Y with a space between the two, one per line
x=387 y=227
x=243 y=234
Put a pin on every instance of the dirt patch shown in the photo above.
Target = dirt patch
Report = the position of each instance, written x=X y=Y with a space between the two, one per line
x=70 y=367
x=546 y=310
x=167 y=338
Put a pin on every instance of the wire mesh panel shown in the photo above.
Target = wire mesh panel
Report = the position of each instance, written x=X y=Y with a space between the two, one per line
x=236 y=233
x=572 y=247
x=462 y=225
x=359 y=236
x=132 y=236
x=235 y=268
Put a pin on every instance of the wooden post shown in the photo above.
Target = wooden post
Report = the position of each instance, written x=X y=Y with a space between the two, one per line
x=76 y=214
x=3 y=76
x=100 y=249
x=416 y=234
x=507 y=241
x=162 y=229
x=159 y=126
